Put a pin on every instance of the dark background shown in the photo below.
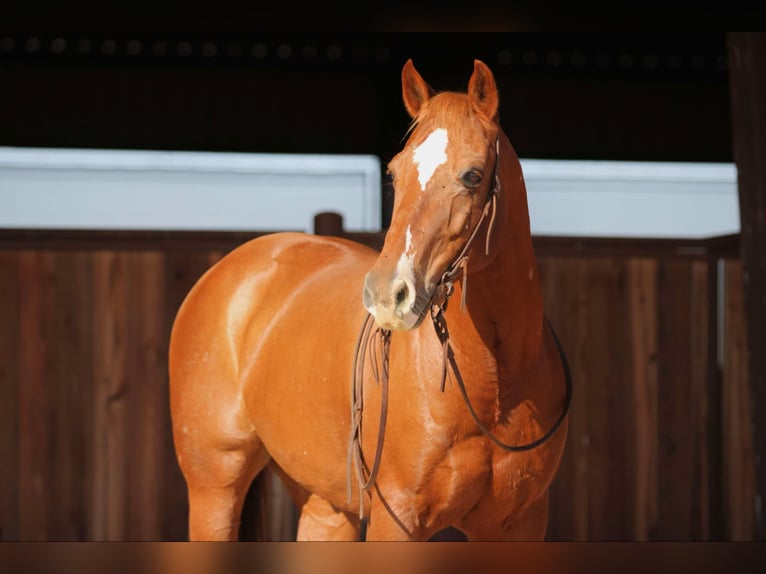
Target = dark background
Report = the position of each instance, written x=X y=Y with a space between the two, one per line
x=662 y=96
x=621 y=96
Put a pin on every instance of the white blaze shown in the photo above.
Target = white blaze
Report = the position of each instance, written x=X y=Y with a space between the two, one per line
x=430 y=154
x=405 y=267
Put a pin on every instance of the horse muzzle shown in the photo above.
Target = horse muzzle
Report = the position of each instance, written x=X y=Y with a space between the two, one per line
x=394 y=303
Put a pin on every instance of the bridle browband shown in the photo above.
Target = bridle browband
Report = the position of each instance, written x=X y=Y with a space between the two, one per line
x=381 y=338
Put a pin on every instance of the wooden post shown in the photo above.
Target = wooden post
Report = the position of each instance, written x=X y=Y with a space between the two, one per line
x=328 y=223
x=747 y=85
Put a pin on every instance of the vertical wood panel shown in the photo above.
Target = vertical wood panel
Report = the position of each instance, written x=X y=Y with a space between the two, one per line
x=566 y=296
x=35 y=402
x=82 y=391
x=676 y=422
x=604 y=395
x=70 y=389
x=739 y=479
x=579 y=344
x=10 y=314
x=110 y=359
x=642 y=309
x=700 y=300
x=147 y=393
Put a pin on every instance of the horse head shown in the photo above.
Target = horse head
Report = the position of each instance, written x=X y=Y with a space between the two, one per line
x=444 y=180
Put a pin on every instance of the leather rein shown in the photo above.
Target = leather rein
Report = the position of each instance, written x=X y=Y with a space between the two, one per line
x=377 y=343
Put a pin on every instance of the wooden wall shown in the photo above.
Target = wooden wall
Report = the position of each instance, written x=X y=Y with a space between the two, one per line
x=86 y=441
x=659 y=445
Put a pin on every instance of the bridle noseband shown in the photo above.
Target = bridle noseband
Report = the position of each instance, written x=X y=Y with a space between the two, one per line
x=442 y=293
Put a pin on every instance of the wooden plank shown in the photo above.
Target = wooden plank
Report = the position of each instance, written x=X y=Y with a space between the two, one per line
x=643 y=317
x=36 y=408
x=9 y=395
x=557 y=300
x=81 y=391
x=739 y=477
x=580 y=345
x=71 y=390
x=149 y=413
x=565 y=293
x=560 y=509
x=109 y=506
x=747 y=91
x=605 y=395
x=705 y=443
x=675 y=414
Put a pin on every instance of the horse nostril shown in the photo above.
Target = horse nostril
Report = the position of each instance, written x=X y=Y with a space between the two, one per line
x=401 y=295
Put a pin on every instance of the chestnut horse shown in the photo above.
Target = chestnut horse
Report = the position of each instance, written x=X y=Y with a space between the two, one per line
x=267 y=355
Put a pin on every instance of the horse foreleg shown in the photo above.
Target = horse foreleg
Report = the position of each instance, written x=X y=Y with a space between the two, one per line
x=320 y=520
x=393 y=518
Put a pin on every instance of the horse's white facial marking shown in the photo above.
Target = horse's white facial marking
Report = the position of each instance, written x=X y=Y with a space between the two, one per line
x=405 y=271
x=430 y=154
x=405 y=267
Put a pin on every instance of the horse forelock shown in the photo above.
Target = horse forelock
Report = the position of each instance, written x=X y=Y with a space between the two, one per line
x=453 y=112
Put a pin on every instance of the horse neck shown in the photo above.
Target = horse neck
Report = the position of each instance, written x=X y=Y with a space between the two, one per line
x=505 y=293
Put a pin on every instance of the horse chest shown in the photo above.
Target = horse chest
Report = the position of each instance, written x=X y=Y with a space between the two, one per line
x=453 y=483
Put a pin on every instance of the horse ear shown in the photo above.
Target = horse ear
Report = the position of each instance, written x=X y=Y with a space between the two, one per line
x=415 y=90
x=482 y=90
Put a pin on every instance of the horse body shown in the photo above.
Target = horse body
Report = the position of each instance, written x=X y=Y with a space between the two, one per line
x=262 y=354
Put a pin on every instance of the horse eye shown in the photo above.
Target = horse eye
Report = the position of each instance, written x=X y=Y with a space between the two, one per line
x=471 y=178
